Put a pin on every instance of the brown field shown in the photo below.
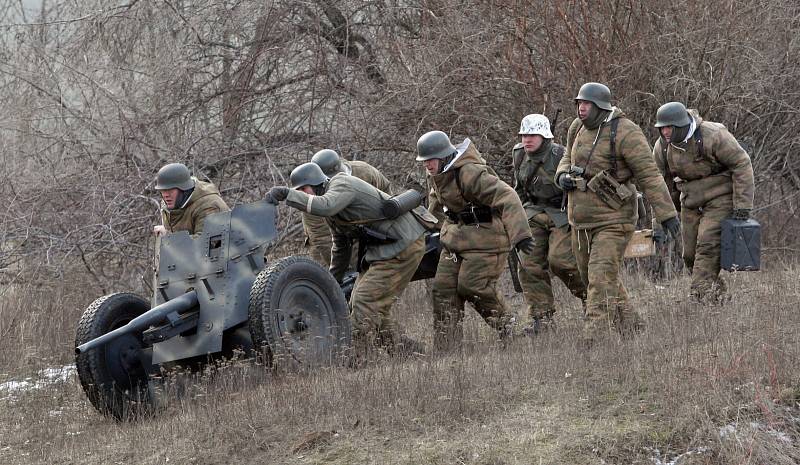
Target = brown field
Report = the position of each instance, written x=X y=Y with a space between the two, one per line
x=699 y=386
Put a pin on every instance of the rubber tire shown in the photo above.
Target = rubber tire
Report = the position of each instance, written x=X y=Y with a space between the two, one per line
x=111 y=395
x=289 y=282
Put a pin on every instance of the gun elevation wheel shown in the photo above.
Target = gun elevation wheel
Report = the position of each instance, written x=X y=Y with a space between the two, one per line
x=298 y=311
x=113 y=376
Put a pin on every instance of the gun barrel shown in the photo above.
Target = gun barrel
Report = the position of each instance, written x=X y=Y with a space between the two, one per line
x=143 y=321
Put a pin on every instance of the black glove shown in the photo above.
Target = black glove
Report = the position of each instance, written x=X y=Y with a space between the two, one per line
x=672 y=227
x=566 y=182
x=741 y=214
x=660 y=236
x=277 y=194
x=525 y=246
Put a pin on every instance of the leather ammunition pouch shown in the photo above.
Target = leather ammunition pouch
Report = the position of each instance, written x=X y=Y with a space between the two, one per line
x=472 y=214
x=610 y=191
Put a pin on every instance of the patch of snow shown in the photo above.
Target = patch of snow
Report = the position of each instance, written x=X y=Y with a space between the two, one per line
x=13 y=386
x=731 y=430
x=675 y=460
x=45 y=378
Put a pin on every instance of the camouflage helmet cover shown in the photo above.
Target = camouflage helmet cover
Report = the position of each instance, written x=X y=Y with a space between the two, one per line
x=434 y=144
x=329 y=161
x=597 y=93
x=174 y=176
x=307 y=174
x=672 y=114
x=535 y=124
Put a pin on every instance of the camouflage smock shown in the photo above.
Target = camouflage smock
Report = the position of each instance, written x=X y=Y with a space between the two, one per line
x=205 y=200
x=634 y=160
x=724 y=168
x=471 y=180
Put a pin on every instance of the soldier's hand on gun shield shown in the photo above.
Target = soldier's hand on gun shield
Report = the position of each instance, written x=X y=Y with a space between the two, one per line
x=159 y=230
x=566 y=182
x=672 y=226
x=277 y=194
x=525 y=246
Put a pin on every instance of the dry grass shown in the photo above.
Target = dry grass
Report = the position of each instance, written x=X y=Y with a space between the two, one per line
x=722 y=382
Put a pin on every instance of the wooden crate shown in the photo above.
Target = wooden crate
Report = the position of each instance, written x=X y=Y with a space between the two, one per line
x=641 y=244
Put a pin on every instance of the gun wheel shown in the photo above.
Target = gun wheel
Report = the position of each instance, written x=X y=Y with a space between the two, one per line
x=299 y=315
x=113 y=376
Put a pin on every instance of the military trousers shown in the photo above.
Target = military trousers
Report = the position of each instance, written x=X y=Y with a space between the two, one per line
x=599 y=252
x=467 y=277
x=701 y=234
x=552 y=256
x=374 y=293
x=320 y=240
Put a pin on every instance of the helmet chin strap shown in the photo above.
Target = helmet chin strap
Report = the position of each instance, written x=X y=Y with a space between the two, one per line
x=446 y=161
x=183 y=199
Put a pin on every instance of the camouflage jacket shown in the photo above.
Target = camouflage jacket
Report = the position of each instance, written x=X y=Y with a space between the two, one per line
x=723 y=167
x=634 y=162
x=316 y=227
x=349 y=204
x=205 y=200
x=470 y=180
x=534 y=181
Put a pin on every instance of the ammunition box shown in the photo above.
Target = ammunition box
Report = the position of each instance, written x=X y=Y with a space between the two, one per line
x=740 y=247
x=641 y=244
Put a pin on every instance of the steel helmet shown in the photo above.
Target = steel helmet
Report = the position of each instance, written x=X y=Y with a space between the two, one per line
x=174 y=175
x=535 y=124
x=672 y=114
x=434 y=144
x=307 y=174
x=596 y=93
x=329 y=161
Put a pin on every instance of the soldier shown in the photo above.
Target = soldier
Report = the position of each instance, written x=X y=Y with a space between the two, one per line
x=315 y=227
x=185 y=201
x=352 y=208
x=535 y=161
x=711 y=178
x=483 y=219
x=605 y=153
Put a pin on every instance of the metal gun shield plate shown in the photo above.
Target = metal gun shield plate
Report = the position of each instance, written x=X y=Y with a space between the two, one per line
x=220 y=264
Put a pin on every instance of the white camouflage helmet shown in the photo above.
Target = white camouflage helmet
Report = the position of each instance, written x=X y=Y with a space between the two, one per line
x=535 y=124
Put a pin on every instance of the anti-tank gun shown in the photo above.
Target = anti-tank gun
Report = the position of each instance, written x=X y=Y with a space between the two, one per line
x=213 y=295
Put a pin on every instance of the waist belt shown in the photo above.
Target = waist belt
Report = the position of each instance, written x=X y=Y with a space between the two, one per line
x=472 y=215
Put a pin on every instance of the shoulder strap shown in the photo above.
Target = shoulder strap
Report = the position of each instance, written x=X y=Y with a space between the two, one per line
x=698 y=141
x=613 y=141
x=457 y=176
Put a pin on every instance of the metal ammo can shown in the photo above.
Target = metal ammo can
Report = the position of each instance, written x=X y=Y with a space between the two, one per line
x=740 y=245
